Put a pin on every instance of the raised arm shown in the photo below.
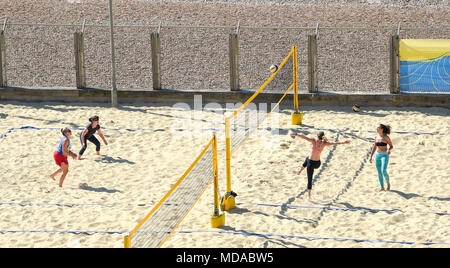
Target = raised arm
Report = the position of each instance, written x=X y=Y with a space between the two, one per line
x=293 y=135
x=336 y=143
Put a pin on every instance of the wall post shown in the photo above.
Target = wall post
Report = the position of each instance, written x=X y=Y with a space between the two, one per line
x=394 y=64
x=80 y=71
x=3 y=80
x=234 y=61
x=156 y=60
x=312 y=63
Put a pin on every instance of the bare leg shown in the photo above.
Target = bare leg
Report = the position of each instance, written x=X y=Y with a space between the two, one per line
x=65 y=170
x=98 y=152
x=309 y=194
x=388 y=186
x=55 y=173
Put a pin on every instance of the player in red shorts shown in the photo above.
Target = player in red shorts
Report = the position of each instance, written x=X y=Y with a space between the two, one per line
x=60 y=155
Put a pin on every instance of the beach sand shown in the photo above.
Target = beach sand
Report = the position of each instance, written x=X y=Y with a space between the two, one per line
x=152 y=144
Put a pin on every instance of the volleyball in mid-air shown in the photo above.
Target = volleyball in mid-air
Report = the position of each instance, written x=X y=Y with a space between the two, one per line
x=273 y=68
x=356 y=108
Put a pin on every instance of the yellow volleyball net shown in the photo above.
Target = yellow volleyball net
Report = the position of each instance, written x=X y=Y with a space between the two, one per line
x=246 y=119
x=155 y=228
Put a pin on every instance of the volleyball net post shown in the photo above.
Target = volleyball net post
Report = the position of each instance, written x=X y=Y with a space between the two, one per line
x=228 y=202
x=217 y=218
x=296 y=115
x=238 y=127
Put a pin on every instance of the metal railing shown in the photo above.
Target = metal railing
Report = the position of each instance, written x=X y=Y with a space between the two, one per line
x=160 y=25
x=350 y=58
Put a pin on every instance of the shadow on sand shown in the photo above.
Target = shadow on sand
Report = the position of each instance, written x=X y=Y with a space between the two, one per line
x=111 y=160
x=99 y=189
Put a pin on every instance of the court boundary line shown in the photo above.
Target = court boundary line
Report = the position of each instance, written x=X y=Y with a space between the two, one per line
x=88 y=232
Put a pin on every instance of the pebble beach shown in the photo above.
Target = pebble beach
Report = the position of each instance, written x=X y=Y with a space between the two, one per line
x=197 y=58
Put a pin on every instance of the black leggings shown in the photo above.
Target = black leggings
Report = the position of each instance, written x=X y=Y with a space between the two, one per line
x=92 y=139
x=310 y=165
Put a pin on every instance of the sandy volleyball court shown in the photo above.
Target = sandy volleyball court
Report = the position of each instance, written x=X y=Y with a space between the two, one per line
x=151 y=145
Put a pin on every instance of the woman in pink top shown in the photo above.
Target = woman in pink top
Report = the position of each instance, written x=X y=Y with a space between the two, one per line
x=313 y=160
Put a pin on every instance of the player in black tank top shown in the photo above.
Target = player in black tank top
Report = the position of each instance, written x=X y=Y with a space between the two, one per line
x=88 y=135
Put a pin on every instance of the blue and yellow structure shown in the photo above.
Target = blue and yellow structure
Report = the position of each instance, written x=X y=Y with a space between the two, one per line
x=425 y=65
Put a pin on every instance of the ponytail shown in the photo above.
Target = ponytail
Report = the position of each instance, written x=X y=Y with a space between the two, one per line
x=93 y=118
x=386 y=129
x=322 y=137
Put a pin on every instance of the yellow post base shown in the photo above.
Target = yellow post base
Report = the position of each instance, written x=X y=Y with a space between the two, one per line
x=297 y=118
x=127 y=242
x=229 y=202
x=217 y=220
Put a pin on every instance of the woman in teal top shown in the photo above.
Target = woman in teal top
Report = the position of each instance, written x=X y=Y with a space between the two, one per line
x=382 y=140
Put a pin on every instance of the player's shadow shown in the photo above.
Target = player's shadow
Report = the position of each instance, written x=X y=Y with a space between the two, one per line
x=405 y=195
x=3 y=116
x=413 y=195
x=110 y=160
x=99 y=189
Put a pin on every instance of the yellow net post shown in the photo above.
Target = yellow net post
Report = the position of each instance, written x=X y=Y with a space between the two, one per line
x=127 y=242
x=217 y=219
x=228 y=202
x=296 y=115
x=294 y=73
